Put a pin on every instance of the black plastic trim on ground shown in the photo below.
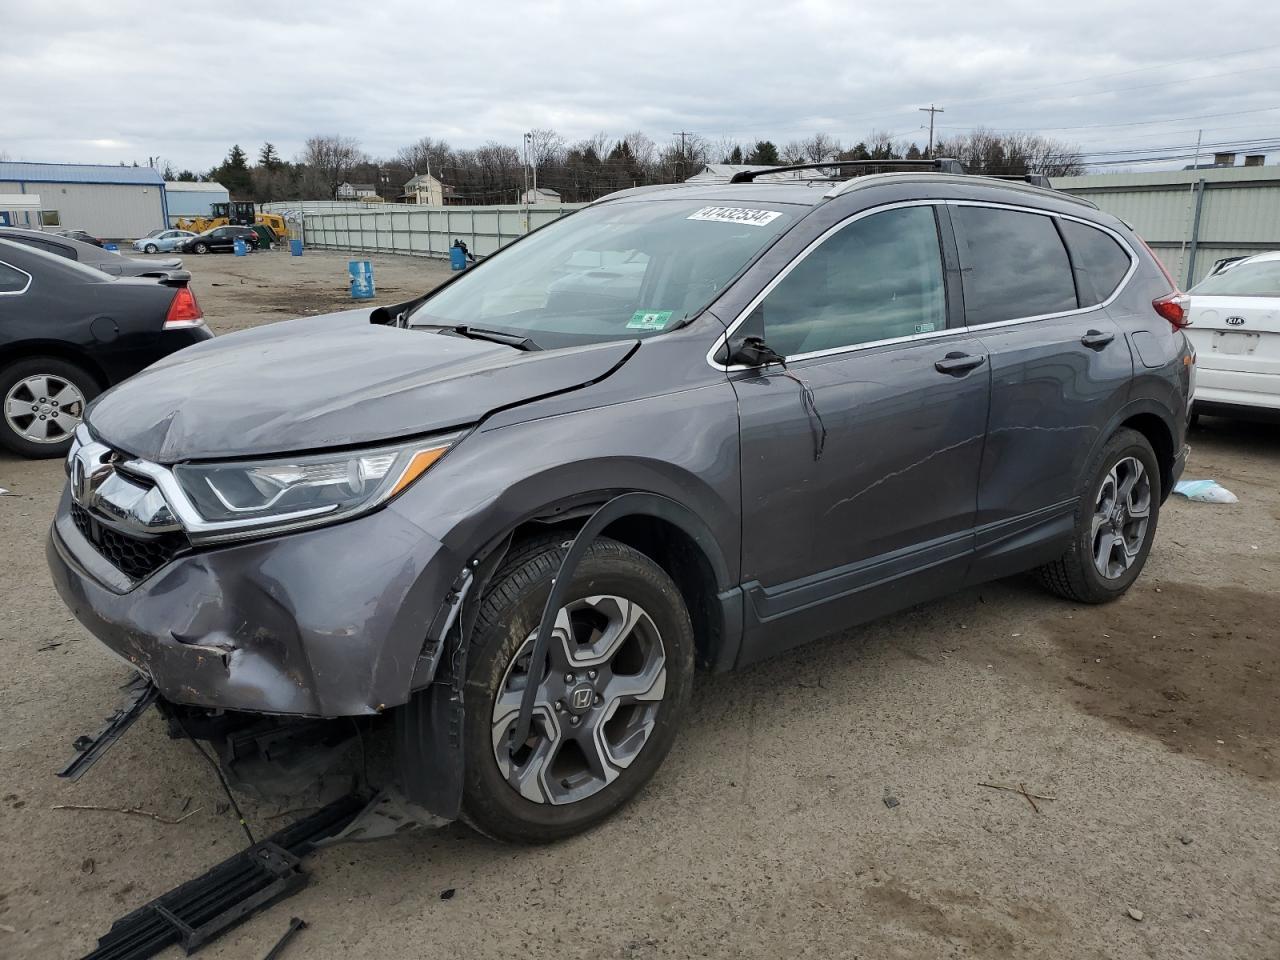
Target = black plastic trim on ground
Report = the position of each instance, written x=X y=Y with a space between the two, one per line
x=202 y=909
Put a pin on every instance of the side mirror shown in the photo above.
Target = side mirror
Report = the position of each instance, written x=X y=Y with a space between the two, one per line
x=751 y=352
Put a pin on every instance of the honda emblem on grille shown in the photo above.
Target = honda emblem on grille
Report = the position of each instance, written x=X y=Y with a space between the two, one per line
x=1235 y=321
x=89 y=472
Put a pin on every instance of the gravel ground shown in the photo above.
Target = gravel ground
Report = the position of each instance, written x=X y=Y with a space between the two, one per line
x=773 y=827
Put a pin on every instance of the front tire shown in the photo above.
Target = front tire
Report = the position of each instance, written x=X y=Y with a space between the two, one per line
x=200 y=248
x=611 y=697
x=1116 y=517
x=42 y=401
x=150 y=248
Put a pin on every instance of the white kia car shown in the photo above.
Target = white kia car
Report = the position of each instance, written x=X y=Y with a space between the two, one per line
x=1235 y=327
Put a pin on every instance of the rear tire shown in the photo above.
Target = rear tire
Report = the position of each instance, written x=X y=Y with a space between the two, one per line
x=1114 y=529
x=42 y=396
x=574 y=787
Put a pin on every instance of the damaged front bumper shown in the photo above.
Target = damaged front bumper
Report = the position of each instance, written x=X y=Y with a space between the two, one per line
x=328 y=622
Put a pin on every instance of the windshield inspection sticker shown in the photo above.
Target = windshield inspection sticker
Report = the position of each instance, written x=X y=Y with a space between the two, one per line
x=752 y=218
x=649 y=320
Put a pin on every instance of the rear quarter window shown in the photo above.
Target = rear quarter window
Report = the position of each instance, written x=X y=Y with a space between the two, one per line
x=12 y=280
x=1100 y=262
x=1014 y=265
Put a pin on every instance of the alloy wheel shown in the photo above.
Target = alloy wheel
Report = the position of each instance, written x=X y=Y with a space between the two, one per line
x=1121 y=516
x=44 y=408
x=598 y=697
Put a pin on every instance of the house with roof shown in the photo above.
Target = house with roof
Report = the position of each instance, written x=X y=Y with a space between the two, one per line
x=428 y=191
x=541 y=195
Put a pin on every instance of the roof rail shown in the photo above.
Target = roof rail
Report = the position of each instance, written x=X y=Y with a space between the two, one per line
x=1035 y=179
x=941 y=165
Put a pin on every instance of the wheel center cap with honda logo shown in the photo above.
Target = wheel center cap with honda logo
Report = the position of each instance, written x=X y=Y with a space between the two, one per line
x=581 y=697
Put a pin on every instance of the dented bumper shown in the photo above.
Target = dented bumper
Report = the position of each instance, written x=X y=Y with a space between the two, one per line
x=327 y=622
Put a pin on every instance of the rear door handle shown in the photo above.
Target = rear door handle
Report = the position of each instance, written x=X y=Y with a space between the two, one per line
x=957 y=363
x=1096 y=339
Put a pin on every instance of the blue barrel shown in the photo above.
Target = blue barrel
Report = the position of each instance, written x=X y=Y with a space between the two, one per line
x=295 y=248
x=240 y=247
x=110 y=246
x=458 y=257
x=361 y=279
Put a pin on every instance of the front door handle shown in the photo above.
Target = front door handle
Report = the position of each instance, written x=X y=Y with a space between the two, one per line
x=1096 y=339
x=957 y=363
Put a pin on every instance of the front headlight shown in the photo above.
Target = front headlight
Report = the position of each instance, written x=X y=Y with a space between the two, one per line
x=232 y=500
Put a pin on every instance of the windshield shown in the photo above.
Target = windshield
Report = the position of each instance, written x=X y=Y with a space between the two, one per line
x=619 y=270
x=155 y=233
x=1260 y=278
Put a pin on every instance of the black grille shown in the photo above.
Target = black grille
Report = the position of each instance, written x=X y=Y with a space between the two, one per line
x=135 y=557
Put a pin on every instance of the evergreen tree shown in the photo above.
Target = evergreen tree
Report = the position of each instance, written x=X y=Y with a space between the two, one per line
x=736 y=155
x=268 y=158
x=765 y=153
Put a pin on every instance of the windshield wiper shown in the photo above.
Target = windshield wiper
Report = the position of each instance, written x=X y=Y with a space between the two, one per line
x=495 y=336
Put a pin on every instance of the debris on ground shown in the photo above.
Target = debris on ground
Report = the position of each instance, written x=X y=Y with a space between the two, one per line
x=135 y=811
x=1185 y=840
x=1135 y=913
x=88 y=865
x=295 y=924
x=1020 y=789
x=4 y=492
x=890 y=801
x=1205 y=491
x=447 y=894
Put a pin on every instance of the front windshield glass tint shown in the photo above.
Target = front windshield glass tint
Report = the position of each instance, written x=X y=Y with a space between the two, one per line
x=1258 y=279
x=619 y=270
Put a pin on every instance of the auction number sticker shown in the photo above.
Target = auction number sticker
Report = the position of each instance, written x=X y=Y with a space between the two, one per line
x=649 y=320
x=752 y=218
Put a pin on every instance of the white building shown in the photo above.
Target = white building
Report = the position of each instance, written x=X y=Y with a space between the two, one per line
x=428 y=191
x=106 y=201
x=356 y=191
x=541 y=195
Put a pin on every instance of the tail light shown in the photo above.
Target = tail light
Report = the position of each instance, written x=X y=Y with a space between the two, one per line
x=1174 y=308
x=183 y=311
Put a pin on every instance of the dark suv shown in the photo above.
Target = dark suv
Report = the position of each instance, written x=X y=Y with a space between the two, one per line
x=689 y=424
x=219 y=240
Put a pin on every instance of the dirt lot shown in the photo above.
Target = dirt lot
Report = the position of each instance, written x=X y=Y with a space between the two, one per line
x=771 y=831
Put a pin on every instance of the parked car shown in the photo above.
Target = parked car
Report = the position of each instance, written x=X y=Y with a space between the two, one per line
x=108 y=261
x=161 y=241
x=68 y=331
x=219 y=240
x=1235 y=327
x=515 y=512
x=81 y=236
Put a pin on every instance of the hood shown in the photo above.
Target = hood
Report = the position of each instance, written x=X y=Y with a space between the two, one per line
x=328 y=381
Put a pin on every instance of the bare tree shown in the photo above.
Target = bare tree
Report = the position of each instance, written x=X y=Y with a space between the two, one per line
x=985 y=151
x=792 y=152
x=426 y=155
x=819 y=147
x=329 y=160
x=546 y=147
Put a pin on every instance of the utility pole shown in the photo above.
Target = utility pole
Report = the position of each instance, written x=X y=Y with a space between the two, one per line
x=682 y=134
x=527 y=138
x=931 y=110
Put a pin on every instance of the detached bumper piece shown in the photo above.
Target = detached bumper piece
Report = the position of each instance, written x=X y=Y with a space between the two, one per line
x=204 y=908
x=142 y=693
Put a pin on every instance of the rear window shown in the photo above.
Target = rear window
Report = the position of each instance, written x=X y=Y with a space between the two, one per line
x=1100 y=263
x=1260 y=278
x=1014 y=265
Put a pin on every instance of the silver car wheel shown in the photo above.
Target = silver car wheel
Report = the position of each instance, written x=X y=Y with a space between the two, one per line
x=1121 y=516
x=598 y=697
x=44 y=408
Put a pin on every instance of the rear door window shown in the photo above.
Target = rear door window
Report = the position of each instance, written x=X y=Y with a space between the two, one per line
x=1014 y=265
x=1100 y=263
x=879 y=278
x=12 y=280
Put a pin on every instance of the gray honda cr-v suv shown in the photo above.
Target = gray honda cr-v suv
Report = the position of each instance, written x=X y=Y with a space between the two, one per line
x=689 y=424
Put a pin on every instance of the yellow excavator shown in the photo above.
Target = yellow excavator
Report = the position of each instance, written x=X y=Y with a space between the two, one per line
x=240 y=212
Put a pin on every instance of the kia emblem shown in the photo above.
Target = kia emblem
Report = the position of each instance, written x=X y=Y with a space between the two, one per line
x=1235 y=321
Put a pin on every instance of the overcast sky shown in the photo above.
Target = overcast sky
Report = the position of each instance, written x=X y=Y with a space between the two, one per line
x=105 y=82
